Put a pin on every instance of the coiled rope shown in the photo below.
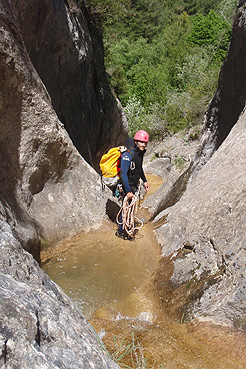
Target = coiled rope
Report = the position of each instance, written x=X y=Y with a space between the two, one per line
x=129 y=211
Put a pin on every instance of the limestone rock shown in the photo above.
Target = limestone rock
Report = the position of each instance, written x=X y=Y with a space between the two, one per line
x=168 y=160
x=47 y=189
x=40 y=326
x=176 y=152
x=222 y=114
x=65 y=46
x=209 y=222
x=204 y=230
x=229 y=99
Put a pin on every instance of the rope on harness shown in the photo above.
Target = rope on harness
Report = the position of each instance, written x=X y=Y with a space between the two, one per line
x=129 y=211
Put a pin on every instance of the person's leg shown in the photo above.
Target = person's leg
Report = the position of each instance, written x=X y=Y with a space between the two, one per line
x=120 y=231
x=120 y=227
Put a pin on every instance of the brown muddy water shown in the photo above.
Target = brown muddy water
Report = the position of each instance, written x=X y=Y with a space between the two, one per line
x=111 y=281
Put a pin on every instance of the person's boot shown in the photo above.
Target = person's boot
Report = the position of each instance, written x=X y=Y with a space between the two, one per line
x=123 y=235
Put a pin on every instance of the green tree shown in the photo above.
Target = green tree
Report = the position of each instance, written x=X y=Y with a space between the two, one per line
x=200 y=6
x=163 y=62
x=211 y=31
x=109 y=10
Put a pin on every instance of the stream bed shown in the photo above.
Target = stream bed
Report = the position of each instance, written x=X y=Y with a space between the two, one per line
x=97 y=269
x=110 y=280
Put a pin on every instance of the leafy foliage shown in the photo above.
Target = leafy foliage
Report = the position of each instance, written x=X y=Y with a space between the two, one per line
x=109 y=10
x=163 y=58
x=211 y=30
x=200 y=6
x=138 y=118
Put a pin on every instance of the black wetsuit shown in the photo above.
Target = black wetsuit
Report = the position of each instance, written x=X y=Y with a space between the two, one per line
x=131 y=171
x=132 y=168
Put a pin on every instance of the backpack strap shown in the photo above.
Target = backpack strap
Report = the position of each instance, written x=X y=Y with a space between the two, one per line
x=131 y=152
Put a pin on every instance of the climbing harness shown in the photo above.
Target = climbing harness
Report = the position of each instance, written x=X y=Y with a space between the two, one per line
x=119 y=191
x=129 y=210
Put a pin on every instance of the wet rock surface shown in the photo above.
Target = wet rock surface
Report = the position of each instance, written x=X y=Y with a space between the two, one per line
x=40 y=326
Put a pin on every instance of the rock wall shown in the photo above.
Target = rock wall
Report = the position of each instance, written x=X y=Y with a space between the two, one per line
x=222 y=114
x=65 y=46
x=230 y=97
x=170 y=160
x=204 y=231
x=47 y=188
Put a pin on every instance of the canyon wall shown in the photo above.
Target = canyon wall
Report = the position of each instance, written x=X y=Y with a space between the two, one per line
x=52 y=82
x=222 y=114
x=64 y=44
x=57 y=115
x=203 y=234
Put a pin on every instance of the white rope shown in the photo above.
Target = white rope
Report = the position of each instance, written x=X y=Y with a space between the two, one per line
x=129 y=211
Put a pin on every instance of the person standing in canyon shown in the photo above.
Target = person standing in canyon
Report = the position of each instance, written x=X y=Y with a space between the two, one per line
x=132 y=171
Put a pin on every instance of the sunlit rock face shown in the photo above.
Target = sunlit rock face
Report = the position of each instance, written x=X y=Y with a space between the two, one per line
x=47 y=188
x=207 y=225
x=230 y=97
x=168 y=160
x=204 y=232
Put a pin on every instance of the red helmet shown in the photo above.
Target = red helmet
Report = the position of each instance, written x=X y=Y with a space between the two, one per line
x=141 y=136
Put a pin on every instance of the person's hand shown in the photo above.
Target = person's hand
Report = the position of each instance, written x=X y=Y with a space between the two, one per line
x=129 y=195
x=146 y=186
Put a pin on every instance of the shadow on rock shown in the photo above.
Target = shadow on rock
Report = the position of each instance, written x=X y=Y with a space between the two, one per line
x=112 y=209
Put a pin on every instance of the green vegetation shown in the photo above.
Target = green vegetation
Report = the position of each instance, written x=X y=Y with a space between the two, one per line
x=163 y=58
x=179 y=163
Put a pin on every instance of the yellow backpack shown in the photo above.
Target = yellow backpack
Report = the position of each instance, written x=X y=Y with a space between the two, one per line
x=110 y=162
